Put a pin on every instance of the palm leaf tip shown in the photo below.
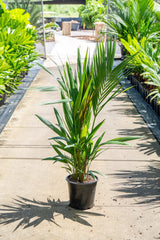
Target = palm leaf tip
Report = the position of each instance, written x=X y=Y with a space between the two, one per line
x=125 y=139
x=121 y=140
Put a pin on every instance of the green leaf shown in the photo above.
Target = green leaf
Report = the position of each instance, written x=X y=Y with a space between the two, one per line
x=58 y=101
x=51 y=126
x=45 y=89
x=121 y=140
x=94 y=131
x=97 y=172
x=47 y=70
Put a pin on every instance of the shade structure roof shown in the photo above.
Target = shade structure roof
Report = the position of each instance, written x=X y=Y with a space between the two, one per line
x=60 y=2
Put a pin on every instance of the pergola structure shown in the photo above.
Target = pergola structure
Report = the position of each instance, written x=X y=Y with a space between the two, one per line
x=51 y=2
x=48 y=2
x=61 y=2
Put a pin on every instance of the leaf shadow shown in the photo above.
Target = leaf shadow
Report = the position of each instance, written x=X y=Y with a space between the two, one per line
x=143 y=185
x=149 y=145
x=31 y=213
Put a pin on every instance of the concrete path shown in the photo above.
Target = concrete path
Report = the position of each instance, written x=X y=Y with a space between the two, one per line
x=34 y=194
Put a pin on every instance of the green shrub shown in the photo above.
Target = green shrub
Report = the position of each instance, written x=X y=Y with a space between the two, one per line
x=93 y=11
x=137 y=24
x=33 y=9
x=17 y=38
x=135 y=17
x=146 y=63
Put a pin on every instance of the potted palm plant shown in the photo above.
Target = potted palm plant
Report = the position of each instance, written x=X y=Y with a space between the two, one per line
x=83 y=95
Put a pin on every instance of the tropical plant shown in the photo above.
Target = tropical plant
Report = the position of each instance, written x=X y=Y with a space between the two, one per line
x=93 y=11
x=146 y=63
x=136 y=18
x=83 y=96
x=5 y=74
x=33 y=9
x=146 y=52
x=17 y=38
x=49 y=31
x=157 y=10
x=152 y=76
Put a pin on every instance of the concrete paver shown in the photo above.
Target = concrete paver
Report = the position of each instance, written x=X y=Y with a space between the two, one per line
x=34 y=195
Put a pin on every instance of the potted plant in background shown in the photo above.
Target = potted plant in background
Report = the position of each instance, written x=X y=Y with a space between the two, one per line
x=83 y=95
x=145 y=69
x=93 y=11
x=135 y=18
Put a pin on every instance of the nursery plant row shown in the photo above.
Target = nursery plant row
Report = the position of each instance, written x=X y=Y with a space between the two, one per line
x=17 y=48
x=137 y=24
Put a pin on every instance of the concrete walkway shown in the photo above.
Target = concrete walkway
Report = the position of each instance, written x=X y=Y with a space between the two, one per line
x=34 y=194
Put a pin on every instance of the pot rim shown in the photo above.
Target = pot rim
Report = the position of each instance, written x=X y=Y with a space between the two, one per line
x=78 y=183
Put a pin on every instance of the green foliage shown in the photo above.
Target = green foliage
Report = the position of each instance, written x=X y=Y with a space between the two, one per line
x=93 y=11
x=29 y=7
x=5 y=79
x=156 y=9
x=17 y=40
x=137 y=24
x=2 y=7
x=51 y=25
x=147 y=62
x=136 y=18
x=49 y=32
x=152 y=75
x=62 y=10
x=84 y=93
x=141 y=47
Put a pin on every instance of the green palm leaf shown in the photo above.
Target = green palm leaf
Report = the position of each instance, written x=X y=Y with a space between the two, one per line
x=83 y=96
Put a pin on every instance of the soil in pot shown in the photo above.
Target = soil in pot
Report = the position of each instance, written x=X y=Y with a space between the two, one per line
x=82 y=194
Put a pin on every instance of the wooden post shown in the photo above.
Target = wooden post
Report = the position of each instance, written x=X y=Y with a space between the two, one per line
x=66 y=28
x=99 y=26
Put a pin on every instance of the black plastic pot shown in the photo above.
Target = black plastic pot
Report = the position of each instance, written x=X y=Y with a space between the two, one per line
x=123 y=51
x=81 y=194
x=75 y=26
x=140 y=86
x=2 y=99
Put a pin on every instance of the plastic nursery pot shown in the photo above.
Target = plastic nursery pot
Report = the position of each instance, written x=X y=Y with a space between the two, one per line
x=2 y=99
x=123 y=51
x=81 y=194
x=75 y=26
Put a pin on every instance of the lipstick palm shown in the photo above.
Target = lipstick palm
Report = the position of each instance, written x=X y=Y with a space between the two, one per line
x=83 y=95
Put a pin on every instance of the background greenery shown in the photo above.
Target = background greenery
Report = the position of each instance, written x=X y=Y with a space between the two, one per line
x=137 y=25
x=93 y=11
x=62 y=10
x=17 y=50
x=32 y=9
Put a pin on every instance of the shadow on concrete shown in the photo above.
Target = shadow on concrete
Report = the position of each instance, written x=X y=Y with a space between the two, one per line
x=143 y=185
x=31 y=213
x=149 y=144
